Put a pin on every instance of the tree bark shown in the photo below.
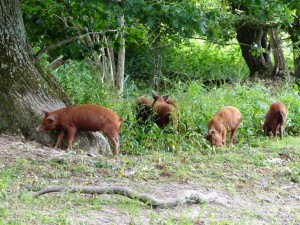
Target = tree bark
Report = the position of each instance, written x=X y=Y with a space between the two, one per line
x=279 y=69
x=156 y=69
x=121 y=57
x=57 y=63
x=247 y=36
x=187 y=196
x=294 y=32
x=24 y=92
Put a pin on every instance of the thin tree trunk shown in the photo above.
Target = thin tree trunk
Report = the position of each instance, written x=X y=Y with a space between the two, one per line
x=110 y=59
x=156 y=69
x=279 y=61
x=105 y=70
x=265 y=45
x=297 y=65
x=294 y=32
x=57 y=63
x=121 y=58
x=23 y=91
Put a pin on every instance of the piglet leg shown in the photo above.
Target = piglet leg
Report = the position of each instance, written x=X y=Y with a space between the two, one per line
x=274 y=131
x=232 y=137
x=224 y=133
x=281 y=131
x=70 y=137
x=60 y=136
x=115 y=141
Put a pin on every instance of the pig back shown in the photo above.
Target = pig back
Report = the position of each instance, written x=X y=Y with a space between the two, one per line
x=93 y=117
x=275 y=108
x=276 y=114
x=229 y=116
x=144 y=101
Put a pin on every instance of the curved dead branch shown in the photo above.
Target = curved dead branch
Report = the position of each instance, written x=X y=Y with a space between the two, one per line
x=67 y=41
x=184 y=198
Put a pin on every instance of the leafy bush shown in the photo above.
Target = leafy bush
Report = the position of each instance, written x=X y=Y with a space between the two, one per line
x=194 y=61
x=81 y=85
x=187 y=62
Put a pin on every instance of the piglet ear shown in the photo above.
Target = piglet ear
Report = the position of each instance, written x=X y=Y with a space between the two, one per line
x=166 y=97
x=45 y=111
x=154 y=95
x=211 y=132
x=52 y=117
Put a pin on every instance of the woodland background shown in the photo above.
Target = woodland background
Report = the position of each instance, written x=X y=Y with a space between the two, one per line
x=205 y=54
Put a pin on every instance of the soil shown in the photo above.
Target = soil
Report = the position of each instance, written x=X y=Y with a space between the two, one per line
x=264 y=201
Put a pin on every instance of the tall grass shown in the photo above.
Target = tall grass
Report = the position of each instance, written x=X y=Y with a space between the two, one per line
x=197 y=104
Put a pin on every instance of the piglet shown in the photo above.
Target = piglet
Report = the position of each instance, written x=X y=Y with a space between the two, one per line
x=82 y=117
x=164 y=112
x=226 y=119
x=143 y=109
x=275 y=119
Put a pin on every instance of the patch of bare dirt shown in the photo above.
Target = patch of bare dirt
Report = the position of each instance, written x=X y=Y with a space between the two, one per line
x=265 y=201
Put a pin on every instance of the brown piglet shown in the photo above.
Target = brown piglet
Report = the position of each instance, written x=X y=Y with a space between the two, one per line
x=82 y=117
x=164 y=112
x=275 y=119
x=226 y=119
x=143 y=109
x=170 y=101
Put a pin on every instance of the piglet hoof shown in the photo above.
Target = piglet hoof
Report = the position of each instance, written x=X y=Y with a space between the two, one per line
x=118 y=155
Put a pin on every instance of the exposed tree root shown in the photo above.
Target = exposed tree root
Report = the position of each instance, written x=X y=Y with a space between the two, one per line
x=185 y=197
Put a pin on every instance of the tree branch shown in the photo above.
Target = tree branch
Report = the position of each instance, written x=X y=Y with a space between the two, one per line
x=67 y=41
x=186 y=197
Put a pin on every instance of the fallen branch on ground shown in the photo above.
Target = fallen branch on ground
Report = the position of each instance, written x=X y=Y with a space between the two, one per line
x=185 y=197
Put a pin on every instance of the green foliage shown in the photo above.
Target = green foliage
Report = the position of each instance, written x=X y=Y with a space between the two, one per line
x=186 y=62
x=151 y=27
x=197 y=106
x=81 y=84
x=194 y=61
x=261 y=12
x=49 y=22
x=176 y=19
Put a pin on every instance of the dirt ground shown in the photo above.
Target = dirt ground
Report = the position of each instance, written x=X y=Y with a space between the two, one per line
x=263 y=201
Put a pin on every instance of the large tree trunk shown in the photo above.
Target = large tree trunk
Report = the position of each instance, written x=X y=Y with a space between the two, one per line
x=257 y=63
x=24 y=92
x=294 y=32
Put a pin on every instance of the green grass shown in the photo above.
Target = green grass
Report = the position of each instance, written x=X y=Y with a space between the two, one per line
x=230 y=169
x=197 y=105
